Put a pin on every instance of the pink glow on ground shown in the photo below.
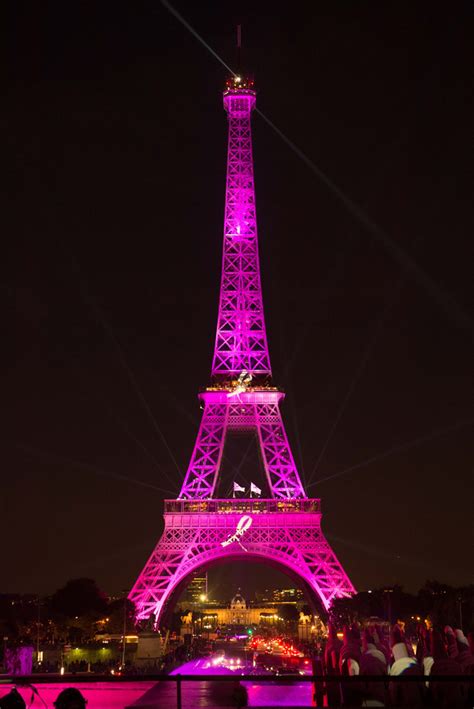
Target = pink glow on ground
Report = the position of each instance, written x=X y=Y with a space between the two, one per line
x=279 y=695
x=99 y=695
x=291 y=694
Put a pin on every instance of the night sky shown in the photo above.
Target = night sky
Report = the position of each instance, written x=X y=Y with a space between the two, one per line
x=112 y=235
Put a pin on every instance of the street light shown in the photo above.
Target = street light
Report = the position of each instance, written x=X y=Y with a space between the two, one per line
x=38 y=621
x=124 y=628
x=460 y=599
x=389 y=605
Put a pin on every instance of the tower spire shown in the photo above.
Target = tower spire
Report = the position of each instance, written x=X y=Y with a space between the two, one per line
x=241 y=340
x=241 y=396
x=239 y=48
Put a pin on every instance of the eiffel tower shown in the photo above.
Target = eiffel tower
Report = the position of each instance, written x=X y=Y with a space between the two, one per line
x=283 y=530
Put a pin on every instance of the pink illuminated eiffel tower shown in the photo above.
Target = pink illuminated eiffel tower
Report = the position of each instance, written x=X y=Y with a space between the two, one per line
x=283 y=530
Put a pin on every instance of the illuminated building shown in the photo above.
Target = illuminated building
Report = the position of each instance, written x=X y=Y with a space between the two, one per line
x=196 y=592
x=239 y=613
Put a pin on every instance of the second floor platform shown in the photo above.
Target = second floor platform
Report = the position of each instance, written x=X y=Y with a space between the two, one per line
x=255 y=505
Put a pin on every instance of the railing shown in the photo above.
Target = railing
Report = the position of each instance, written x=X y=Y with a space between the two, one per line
x=361 y=685
x=254 y=505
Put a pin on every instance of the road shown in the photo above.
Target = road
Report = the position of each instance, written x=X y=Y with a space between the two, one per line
x=229 y=659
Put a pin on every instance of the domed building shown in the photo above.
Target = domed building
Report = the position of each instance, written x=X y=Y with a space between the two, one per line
x=238 y=613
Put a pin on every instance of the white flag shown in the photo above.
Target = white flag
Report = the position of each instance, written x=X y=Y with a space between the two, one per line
x=255 y=489
x=238 y=488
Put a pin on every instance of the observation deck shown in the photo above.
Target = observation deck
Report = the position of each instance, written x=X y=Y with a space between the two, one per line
x=239 y=97
x=254 y=505
x=239 y=84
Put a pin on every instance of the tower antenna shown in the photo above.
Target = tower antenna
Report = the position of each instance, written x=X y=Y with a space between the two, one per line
x=239 y=47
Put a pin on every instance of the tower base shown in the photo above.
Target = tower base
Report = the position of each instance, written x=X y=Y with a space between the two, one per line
x=199 y=534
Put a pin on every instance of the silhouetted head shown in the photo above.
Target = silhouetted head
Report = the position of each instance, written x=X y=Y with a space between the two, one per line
x=70 y=698
x=450 y=640
x=461 y=641
x=12 y=700
x=368 y=635
x=355 y=632
x=438 y=650
x=396 y=635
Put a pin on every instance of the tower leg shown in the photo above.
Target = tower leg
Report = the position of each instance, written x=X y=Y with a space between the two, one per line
x=200 y=480
x=282 y=475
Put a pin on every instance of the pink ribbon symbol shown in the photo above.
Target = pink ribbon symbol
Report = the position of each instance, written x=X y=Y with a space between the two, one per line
x=242 y=525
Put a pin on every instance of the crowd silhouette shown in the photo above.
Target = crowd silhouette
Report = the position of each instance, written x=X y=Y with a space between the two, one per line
x=436 y=668
x=371 y=652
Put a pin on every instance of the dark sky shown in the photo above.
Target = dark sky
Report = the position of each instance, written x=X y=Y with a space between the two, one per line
x=116 y=150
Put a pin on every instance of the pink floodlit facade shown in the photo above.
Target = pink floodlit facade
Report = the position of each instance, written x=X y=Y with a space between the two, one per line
x=241 y=340
x=285 y=528
x=279 y=533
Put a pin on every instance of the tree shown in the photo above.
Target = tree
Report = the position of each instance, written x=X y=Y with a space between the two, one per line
x=175 y=622
x=288 y=613
x=388 y=603
x=115 y=615
x=440 y=602
x=76 y=608
x=359 y=607
x=79 y=597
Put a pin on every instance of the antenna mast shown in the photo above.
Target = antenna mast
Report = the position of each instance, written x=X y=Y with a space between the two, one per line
x=239 y=47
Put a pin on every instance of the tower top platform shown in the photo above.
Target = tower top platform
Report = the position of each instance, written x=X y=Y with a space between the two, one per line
x=239 y=84
x=239 y=95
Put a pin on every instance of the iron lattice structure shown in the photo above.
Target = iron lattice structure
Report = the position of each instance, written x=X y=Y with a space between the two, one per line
x=241 y=340
x=285 y=529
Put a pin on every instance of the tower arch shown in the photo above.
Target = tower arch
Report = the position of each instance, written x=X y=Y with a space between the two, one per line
x=201 y=533
x=310 y=594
